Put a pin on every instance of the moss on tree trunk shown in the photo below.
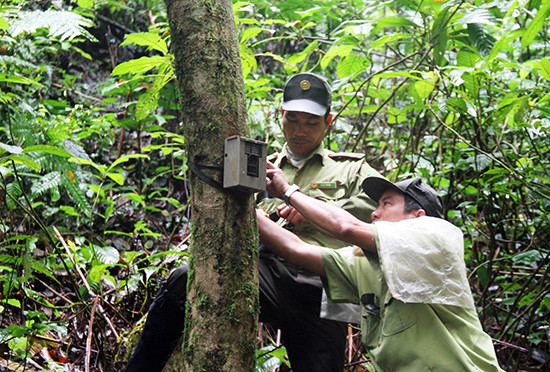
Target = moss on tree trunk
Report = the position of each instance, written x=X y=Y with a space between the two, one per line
x=223 y=293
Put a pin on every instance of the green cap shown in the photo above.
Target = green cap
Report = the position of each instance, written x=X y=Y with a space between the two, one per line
x=307 y=92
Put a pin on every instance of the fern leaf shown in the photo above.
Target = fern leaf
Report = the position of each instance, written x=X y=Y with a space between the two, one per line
x=62 y=24
x=481 y=16
x=76 y=194
x=107 y=255
x=482 y=40
x=45 y=183
x=23 y=129
x=13 y=192
x=76 y=150
x=8 y=259
x=42 y=160
x=27 y=265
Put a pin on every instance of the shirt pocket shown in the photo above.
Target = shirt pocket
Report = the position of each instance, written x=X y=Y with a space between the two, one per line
x=397 y=318
x=370 y=321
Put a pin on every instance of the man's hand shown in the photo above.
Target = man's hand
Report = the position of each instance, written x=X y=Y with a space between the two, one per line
x=276 y=183
x=276 y=186
x=261 y=214
x=290 y=214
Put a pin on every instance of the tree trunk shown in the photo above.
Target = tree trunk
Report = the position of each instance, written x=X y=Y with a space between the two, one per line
x=223 y=292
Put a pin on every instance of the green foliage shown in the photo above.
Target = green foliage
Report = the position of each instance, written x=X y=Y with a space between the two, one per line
x=62 y=25
x=453 y=91
x=270 y=358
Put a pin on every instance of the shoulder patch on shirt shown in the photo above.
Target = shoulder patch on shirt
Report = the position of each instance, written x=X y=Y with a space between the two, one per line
x=369 y=172
x=347 y=155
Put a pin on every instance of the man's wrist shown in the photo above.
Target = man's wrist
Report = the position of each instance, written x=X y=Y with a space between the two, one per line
x=288 y=193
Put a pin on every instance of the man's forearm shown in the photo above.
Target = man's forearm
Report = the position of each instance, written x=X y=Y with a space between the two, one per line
x=289 y=246
x=334 y=221
x=324 y=216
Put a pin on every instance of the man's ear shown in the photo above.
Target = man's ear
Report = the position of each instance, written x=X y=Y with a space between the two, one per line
x=419 y=212
x=328 y=120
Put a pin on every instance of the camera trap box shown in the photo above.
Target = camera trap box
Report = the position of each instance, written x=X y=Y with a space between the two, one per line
x=244 y=164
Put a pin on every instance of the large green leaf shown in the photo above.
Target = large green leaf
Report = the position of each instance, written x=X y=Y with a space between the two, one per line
x=298 y=58
x=140 y=65
x=544 y=68
x=147 y=39
x=396 y=21
x=47 y=149
x=351 y=65
x=18 y=80
x=107 y=254
x=28 y=162
x=11 y=149
x=466 y=58
x=341 y=51
x=536 y=25
x=439 y=35
x=424 y=88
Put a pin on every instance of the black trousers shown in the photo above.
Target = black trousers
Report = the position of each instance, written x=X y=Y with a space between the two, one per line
x=290 y=298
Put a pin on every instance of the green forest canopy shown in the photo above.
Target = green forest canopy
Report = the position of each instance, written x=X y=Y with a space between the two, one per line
x=93 y=196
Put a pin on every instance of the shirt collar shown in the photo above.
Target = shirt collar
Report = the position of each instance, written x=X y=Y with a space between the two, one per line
x=319 y=152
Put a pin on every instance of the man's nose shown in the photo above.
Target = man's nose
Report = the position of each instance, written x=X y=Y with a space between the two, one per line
x=375 y=215
x=301 y=127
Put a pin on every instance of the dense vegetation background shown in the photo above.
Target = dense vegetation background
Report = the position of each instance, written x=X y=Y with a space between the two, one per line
x=93 y=197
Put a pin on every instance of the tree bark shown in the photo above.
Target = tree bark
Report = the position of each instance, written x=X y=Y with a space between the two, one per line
x=222 y=310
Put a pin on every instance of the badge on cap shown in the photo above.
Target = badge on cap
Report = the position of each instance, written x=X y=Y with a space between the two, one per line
x=305 y=85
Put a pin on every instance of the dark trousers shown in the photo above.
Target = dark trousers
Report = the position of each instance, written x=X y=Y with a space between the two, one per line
x=290 y=298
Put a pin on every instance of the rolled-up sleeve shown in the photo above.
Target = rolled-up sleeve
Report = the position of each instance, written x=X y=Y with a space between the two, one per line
x=348 y=274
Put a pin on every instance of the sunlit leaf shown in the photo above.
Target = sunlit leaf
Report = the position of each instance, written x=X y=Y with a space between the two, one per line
x=341 y=50
x=140 y=65
x=351 y=65
x=148 y=39
x=535 y=25
x=424 y=88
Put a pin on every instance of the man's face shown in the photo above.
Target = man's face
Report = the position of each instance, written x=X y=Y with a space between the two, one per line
x=304 y=132
x=391 y=207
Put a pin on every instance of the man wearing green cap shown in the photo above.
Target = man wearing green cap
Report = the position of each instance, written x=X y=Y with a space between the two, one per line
x=406 y=269
x=291 y=297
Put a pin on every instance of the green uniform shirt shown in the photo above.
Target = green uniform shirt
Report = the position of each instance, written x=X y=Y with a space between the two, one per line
x=406 y=336
x=332 y=177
